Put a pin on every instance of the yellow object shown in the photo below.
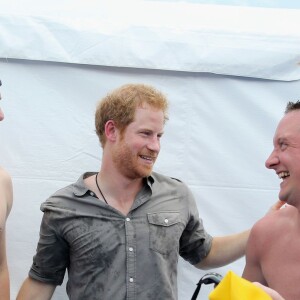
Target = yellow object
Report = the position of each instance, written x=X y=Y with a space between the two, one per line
x=234 y=287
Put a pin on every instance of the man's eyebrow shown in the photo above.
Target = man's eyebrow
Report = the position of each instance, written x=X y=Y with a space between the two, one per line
x=281 y=139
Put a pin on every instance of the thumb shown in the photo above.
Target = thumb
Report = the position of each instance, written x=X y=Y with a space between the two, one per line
x=276 y=206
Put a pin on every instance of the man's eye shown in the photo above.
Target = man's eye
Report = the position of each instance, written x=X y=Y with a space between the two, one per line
x=146 y=133
x=282 y=146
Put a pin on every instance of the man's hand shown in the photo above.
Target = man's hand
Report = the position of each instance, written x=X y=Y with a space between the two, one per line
x=272 y=293
x=278 y=205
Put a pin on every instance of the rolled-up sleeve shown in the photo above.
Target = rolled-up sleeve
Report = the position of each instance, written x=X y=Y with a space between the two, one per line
x=195 y=242
x=52 y=254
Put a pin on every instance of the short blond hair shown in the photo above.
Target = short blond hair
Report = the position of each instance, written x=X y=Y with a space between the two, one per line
x=120 y=105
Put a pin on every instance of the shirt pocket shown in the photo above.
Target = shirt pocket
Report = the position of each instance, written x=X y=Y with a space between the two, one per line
x=164 y=231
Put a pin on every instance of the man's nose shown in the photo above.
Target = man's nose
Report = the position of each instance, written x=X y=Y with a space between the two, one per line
x=154 y=145
x=272 y=160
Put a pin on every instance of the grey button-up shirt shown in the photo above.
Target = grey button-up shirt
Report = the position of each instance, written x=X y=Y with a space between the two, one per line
x=110 y=256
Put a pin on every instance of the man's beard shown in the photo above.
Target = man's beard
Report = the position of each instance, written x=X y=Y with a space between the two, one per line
x=128 y=163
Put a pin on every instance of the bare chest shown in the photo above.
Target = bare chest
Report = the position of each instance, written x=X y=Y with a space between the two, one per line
x=281 y=265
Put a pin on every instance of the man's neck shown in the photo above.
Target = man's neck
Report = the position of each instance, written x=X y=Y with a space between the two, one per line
x=118 y=191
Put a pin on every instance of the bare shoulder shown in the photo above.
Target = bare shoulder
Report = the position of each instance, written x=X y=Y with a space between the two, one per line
x=4 y=177
x=275 y=222
x=6 y=190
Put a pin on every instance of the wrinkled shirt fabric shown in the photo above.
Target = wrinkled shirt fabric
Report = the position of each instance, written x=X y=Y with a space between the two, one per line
x=112 y=256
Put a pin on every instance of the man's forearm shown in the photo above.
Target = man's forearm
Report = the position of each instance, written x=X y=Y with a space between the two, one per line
x=34 y=290
x=225 y=250
x=4 y=284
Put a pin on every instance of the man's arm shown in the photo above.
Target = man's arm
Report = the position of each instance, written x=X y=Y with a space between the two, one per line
x=6 y=195
x=49 y=263
x=252 y=270
x=6 y=199
x=225 y=250
x=4 y=275
x=32 y=289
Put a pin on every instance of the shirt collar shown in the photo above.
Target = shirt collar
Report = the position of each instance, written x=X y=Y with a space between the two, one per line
x=79 y=188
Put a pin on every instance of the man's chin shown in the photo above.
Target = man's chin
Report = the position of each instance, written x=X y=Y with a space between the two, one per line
x=283 y=198
x=138 y=174
x=146 y=172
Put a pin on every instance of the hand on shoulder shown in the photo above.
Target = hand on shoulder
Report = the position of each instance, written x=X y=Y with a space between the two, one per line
x=272 y=293
x=276 y=206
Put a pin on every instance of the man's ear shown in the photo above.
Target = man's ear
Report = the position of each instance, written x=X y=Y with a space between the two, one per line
x=111 y=130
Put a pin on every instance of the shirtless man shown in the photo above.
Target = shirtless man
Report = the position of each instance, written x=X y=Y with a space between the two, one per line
x=272 y=256
x=5 y=207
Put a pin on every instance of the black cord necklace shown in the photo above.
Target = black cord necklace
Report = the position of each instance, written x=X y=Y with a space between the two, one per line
x=100 y=190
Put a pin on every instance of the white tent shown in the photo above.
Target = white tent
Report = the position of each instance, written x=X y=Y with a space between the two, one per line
x=228 y=71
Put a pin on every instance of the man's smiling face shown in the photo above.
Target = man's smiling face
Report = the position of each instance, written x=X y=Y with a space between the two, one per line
x=285 y=158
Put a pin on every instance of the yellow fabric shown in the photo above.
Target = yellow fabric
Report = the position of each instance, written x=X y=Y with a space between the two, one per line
x=234 y=287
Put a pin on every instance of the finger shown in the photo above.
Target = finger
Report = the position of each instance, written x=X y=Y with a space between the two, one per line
x=278 y=204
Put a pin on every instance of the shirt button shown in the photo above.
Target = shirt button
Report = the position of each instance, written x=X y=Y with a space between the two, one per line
x=131 y=279
x=166 y=221
x=127 y=219
x=130 y=249
x=92 y=194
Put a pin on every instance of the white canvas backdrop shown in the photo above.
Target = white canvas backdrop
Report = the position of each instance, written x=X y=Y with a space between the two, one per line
x=218 y=137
